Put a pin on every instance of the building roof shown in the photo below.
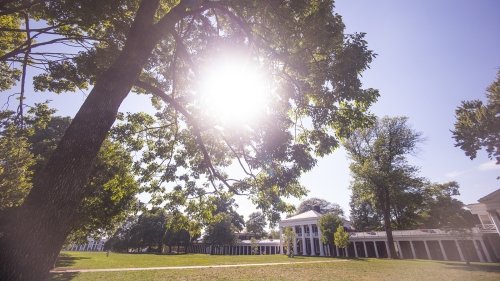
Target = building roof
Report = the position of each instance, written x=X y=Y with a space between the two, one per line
x=306 y=215
x=494 y=196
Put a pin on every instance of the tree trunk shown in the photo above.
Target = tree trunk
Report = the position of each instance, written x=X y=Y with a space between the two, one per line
x=34 y=233
x=387 y=224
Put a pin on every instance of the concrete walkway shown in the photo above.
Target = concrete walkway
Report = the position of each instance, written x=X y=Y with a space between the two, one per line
x=62 y=270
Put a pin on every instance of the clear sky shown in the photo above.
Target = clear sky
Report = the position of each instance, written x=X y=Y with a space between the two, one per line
x=432 y=54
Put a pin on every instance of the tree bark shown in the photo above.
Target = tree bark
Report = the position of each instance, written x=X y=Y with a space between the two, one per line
x=32 y=236
x=387 y=224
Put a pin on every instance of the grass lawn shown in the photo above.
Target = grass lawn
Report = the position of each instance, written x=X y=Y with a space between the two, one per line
x=89 y=260
x=356 y=269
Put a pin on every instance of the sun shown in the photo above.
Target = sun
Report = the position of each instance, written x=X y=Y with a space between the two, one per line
x=234 y=90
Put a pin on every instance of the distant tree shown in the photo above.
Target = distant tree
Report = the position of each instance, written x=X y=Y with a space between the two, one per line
x=328 y=224
x=478 y=124
x=274 y=234
x=254 y=246
x=256 y=224
x=320 y=204
x=443 y=211
x=180 y=230
x=289 y=237
x=341 y=238
x=380 y=167
x=220 y=232
x=149 y=230
x=364 y=216
x=225 y=204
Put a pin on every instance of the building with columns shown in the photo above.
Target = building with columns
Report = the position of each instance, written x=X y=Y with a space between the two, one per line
x=481 y=243
x=487 y=211
x=308 y=234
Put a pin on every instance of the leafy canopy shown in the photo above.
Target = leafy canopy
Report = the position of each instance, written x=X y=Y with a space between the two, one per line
x=478 y=124
x=185 y=153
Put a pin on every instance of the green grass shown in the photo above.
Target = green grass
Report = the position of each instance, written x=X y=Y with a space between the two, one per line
x=89 y=260
x=356 y=269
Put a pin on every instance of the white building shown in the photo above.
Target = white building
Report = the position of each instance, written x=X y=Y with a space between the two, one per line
x=481 y=243
x=91 y=245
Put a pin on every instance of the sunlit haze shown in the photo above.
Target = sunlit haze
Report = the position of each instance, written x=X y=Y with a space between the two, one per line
x=234 y=90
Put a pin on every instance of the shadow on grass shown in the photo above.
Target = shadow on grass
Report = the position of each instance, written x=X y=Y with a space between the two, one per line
x=473 y=267
x=65 y=260
x=62 y=276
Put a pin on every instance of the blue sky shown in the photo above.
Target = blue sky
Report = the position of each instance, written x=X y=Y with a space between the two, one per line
x=431 y=56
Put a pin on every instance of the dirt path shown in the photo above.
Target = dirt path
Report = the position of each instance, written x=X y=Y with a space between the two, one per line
x=61 y=270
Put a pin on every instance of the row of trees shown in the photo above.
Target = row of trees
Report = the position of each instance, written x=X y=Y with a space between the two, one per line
x=154 y=230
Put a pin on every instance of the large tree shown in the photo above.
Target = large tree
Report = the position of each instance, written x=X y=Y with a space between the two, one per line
x=156 y=46
x=256 y=224
x=379 y=164
x=478 y=124
x=320 y=205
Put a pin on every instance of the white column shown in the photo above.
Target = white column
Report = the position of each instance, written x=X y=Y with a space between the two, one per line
x=488 y=257
x=443 y=250
x=412 y=250
x=295 y=250
x=304 y=252
x=281 y=240
x=481 y=259
x=311 y=239
x=364 y=247
x=400 y=250
x=355 y=249
x=387 y=249
x=321 y=245
x=459 y=250
x=494 y=218
x=376 y=250
x=427 y=250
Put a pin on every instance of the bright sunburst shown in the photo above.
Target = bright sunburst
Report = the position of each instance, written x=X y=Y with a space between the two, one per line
x=234 y=90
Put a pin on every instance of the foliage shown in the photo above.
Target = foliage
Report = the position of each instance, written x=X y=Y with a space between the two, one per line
x=110 y=191
x=322 y=205
x=328 y=223
x=364 y=216
x=380 y=167
x=256 y=224
x=152 y=229
x=478 y=124
x=442 y=210
x=289 y=237
x=341 y=237
x=274 y=234
x=15 y=167
x=254 y=246
x=180 y=230
x=221 y=231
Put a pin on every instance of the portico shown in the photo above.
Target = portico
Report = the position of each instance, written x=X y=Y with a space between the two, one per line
x=308 y=234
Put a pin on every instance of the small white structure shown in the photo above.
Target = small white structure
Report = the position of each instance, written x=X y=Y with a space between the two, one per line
x=91 y=245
